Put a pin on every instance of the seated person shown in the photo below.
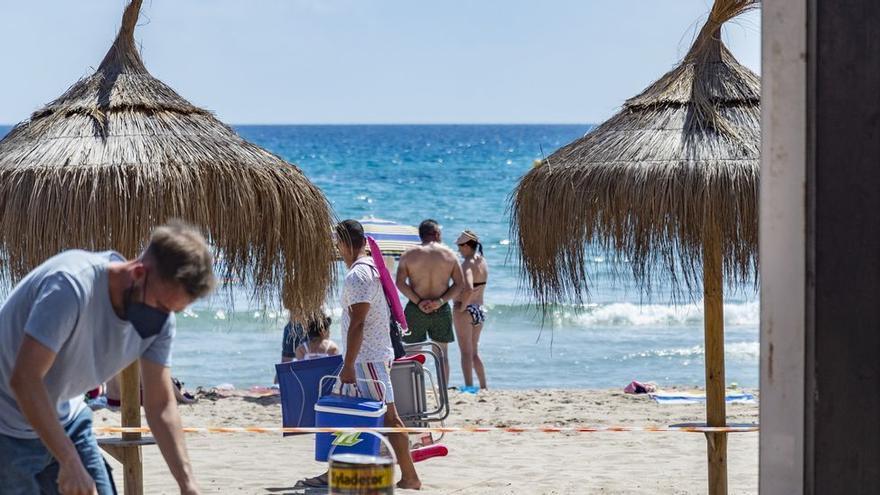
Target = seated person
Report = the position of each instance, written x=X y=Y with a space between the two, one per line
x=317 y=343
x=112 y=393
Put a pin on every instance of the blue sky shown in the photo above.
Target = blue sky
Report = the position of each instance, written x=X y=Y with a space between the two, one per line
x=368 y=61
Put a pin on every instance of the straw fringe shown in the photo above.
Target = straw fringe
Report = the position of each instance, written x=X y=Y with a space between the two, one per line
x=120 y=152
x=678 y=164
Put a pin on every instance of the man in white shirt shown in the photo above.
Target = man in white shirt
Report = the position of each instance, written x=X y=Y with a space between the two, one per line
x=366 y=322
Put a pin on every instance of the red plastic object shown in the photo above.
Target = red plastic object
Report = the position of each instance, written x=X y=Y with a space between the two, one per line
x=412 y=357
x=428 y=452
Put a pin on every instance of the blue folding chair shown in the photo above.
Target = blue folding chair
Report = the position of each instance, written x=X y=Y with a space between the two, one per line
x=299 y=383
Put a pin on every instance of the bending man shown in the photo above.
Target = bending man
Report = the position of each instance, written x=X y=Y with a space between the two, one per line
x=74 y=322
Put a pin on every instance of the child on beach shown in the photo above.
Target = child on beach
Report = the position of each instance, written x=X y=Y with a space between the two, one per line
x=318 y=343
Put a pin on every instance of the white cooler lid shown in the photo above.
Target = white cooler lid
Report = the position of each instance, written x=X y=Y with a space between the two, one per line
x=352 y=412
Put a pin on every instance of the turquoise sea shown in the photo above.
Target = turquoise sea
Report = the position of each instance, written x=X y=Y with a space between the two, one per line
x=462 y=176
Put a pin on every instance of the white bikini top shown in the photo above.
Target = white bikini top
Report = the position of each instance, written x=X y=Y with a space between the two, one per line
x=312 y=355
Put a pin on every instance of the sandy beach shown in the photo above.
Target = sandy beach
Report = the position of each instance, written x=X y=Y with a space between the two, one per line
x=479 y=463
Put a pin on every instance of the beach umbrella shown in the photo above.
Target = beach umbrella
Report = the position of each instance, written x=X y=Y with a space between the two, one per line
x=120 y=152
x=668 y=184
x=393 y=238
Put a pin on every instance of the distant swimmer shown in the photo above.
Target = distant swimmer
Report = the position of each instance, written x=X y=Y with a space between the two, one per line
x=429 y=276
x=469 y=313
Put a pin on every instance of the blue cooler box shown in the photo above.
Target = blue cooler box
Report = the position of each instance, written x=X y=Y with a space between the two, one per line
x=357 y=412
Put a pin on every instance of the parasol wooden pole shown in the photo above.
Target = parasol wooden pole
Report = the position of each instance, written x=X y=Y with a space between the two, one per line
x=132 y=462
x=716 y=415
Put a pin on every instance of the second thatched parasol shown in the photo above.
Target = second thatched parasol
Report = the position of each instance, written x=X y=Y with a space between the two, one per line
x=671 y=183
x=120 y=152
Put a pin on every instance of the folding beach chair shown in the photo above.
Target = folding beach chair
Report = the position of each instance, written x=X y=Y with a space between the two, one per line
x=417 y=403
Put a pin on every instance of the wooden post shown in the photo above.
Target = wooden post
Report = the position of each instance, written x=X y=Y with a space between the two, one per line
x=132 y=463
x=716 y=414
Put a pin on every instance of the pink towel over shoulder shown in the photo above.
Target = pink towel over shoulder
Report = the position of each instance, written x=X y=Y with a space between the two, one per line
x=388 y=285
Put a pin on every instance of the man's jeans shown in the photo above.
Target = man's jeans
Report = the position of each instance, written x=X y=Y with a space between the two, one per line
x=27 y=466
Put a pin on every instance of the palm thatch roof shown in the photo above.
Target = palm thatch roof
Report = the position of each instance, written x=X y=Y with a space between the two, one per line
x=120 y=152
x=676 y=166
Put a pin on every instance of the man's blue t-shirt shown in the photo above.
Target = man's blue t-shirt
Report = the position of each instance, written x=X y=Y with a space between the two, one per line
x=65 y=305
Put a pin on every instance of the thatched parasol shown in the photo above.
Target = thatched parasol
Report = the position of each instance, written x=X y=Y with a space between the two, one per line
x=671 y=183
x=120 y=152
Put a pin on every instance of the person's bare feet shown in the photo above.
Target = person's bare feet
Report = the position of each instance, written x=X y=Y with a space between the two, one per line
x=405 y=484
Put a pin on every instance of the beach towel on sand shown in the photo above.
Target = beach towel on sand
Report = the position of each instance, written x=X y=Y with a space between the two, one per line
x=698 y=398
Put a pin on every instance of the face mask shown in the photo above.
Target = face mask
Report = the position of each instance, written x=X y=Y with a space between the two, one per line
x=147 y=320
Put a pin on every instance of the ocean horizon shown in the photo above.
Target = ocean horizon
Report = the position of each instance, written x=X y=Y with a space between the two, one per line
x=462 y=175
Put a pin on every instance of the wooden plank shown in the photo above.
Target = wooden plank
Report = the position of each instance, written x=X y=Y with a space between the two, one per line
x=116 y=446
x=120 y=442
x=716 y=413
x=132 y=463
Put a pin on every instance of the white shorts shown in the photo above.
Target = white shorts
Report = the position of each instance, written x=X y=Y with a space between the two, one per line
x=369 y=377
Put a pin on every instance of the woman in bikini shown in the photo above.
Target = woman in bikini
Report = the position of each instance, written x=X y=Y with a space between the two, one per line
x=469 y=313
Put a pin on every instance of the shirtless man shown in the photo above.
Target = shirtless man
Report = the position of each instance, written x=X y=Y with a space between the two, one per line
x=423 y=276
